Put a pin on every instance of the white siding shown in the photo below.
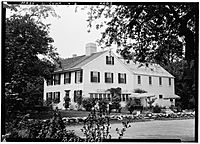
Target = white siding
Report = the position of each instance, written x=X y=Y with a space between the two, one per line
x=165 y=89
x=62 y=87
x=99 y=64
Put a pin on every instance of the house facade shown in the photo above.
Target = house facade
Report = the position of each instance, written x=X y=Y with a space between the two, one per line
x=92 y=74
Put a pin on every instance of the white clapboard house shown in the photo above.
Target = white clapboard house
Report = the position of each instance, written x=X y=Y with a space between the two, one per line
x=92 y=74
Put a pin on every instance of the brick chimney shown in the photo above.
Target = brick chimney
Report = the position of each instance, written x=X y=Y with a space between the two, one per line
x=90 y=48
x=74 y=55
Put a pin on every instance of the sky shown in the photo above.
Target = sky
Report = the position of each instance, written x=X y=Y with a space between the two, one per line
x=70 y=31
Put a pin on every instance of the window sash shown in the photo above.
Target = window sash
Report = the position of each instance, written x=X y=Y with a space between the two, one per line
x=109 y=77
x=56 y=79
x=122 y=78
x=67 y=78
x=78 y=76
x=95 y=76
x=110 y=60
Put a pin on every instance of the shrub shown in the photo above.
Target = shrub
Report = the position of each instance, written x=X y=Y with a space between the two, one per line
x=53 y=129
x=103 y=105
x=156 y=109
x=67 y=101
x=88 y=103
x=130 y=105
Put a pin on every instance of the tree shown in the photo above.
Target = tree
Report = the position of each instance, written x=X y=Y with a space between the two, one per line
x=152 y=33
x=25 y=39
x=116 y=98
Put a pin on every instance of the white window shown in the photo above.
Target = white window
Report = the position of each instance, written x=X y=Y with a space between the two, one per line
x=108 y=77
x=121 y=77
x=78 y=76
x=95 y=76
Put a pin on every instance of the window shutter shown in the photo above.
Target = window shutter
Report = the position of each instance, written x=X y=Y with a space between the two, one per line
x=118 y=77
x=112 y=60
x=106 y=59
x=69 y=77
x=59 y=76
x=81 y=79
x=105 y=77
x=81 y=93
x=64 y=78
x=74 y=96
x=125 y=78
x=75 y=76
x=91 y=75
x=112 y=77
x=98 y=76
x=58 y=97
x=46 y=96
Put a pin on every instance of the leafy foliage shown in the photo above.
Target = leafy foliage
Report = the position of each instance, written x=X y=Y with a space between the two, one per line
x=53 y=129
x=66 y=102
x=164 y=33
x=96 y=127
x=88 y=103
x=116 y=93
x=25 y=40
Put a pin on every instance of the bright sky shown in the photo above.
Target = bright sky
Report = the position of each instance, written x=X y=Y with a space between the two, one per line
x=70 y=31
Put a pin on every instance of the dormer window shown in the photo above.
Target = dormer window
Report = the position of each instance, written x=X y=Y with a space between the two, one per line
x=109 y=60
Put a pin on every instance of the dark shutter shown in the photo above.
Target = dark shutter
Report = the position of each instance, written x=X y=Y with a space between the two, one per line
x=119 y=78
x=69 y=77
x=112 y=77
x=125 y=78
x=106 y=77
x=59 y=77
x=46 y=96
x=64 y=78
x=81 y=77
x=106 y=59
x=75 y=76
x=58 y=96
x=91 y=76
x=74 y=96
x=112 y=60
x=98 y=76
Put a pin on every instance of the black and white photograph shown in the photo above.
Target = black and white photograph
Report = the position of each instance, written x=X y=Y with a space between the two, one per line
x=75 y=71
